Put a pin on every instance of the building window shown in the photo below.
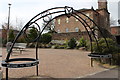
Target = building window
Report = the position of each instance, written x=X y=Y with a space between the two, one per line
x=67 y=30
x=54 y=21
x=77 y=17
x=58 y=31
x=88 y=14
x=67 y=20
x=58 y=21
x=76 y=29
x=106 y=19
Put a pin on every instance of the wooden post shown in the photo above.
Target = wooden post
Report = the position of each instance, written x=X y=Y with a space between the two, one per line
x=91 y=62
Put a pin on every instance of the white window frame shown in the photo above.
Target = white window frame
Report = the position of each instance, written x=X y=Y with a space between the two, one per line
x=67 y=30
x=76 y=29
x=58 y=21
x=77 y=17
x=58 y=31
x=88 y=14
x=67 y=20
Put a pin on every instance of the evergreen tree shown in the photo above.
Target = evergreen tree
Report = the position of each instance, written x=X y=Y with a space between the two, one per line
x=32 y=34
x=11 y=35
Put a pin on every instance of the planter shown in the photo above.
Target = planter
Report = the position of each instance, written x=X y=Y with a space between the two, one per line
x=100 y=56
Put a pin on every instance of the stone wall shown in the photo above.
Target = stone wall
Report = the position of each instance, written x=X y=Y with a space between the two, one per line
x=68 y=36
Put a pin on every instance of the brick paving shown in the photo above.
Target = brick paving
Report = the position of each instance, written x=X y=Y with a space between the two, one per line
x=55 y=63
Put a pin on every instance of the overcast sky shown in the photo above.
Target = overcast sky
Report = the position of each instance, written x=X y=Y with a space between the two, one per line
x=24 y=10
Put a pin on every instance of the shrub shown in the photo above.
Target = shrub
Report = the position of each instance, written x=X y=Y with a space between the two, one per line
x=32 y=34
x=4 y=41
x=11 y=35
x=82 y=42
x=45 y=38
x=103 y=48
x=55 y=47
x=72 y=43
x=21 y=39
x=116 y=59
x=31 y=45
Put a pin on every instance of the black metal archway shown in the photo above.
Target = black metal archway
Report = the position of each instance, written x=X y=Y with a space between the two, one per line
x=59 y=11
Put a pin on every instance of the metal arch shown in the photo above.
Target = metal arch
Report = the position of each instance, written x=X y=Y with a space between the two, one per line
x=87 y=30
x=68 y=11
x=25 y=28
x=96 y=26
x=45 y=12
x=33 y=21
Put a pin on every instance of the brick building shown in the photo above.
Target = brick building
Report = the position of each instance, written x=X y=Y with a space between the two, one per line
x=115 y=30
x=0 y=33
x=67 y=27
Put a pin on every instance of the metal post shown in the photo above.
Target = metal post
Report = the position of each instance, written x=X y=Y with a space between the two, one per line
x=8 y=23
x=37 y=57
x=8 y=35
x=6 y=73
x=37 y=70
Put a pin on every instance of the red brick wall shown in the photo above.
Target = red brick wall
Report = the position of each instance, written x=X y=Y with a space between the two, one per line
x=115 y=30
x=68 y=36
x=104 y=20
x=0 y=33
x=72 y=24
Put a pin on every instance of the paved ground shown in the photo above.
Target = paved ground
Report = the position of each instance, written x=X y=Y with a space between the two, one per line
x=0 y=63
x=55 y=63
x=111 y=73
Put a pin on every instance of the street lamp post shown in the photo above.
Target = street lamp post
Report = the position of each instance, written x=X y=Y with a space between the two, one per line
x=8 y=34
x=8 y=22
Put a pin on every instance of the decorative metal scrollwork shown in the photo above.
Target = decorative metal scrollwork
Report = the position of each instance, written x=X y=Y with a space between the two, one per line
x=46 y=18
x=68 y=11
x=37 y=31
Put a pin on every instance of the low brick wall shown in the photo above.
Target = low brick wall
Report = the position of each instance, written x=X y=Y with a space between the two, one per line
x=64 y=36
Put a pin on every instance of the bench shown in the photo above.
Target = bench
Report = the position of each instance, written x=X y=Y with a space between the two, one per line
x=19 y=46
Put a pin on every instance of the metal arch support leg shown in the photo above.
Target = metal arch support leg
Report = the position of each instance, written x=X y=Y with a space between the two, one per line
x=6 y=73
x=37 y=57
x=37 y=70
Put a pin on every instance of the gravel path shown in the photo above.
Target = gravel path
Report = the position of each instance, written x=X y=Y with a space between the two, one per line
x=55 y=63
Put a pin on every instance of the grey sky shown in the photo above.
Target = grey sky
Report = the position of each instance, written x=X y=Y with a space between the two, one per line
x=24 y=10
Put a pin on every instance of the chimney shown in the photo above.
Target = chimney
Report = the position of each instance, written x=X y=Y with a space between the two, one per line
x=102 y=4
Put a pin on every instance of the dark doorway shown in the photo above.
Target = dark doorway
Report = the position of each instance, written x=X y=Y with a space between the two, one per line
x=118 y=39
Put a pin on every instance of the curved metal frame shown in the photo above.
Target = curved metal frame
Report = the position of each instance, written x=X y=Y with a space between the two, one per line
x=32 y=62
x=68 y=11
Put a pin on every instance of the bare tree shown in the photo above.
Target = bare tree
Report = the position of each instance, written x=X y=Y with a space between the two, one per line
x=5 y=25
x=50 y=26
x=19 y=24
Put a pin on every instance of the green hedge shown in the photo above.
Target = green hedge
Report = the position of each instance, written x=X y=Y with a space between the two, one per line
x=105 y=48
